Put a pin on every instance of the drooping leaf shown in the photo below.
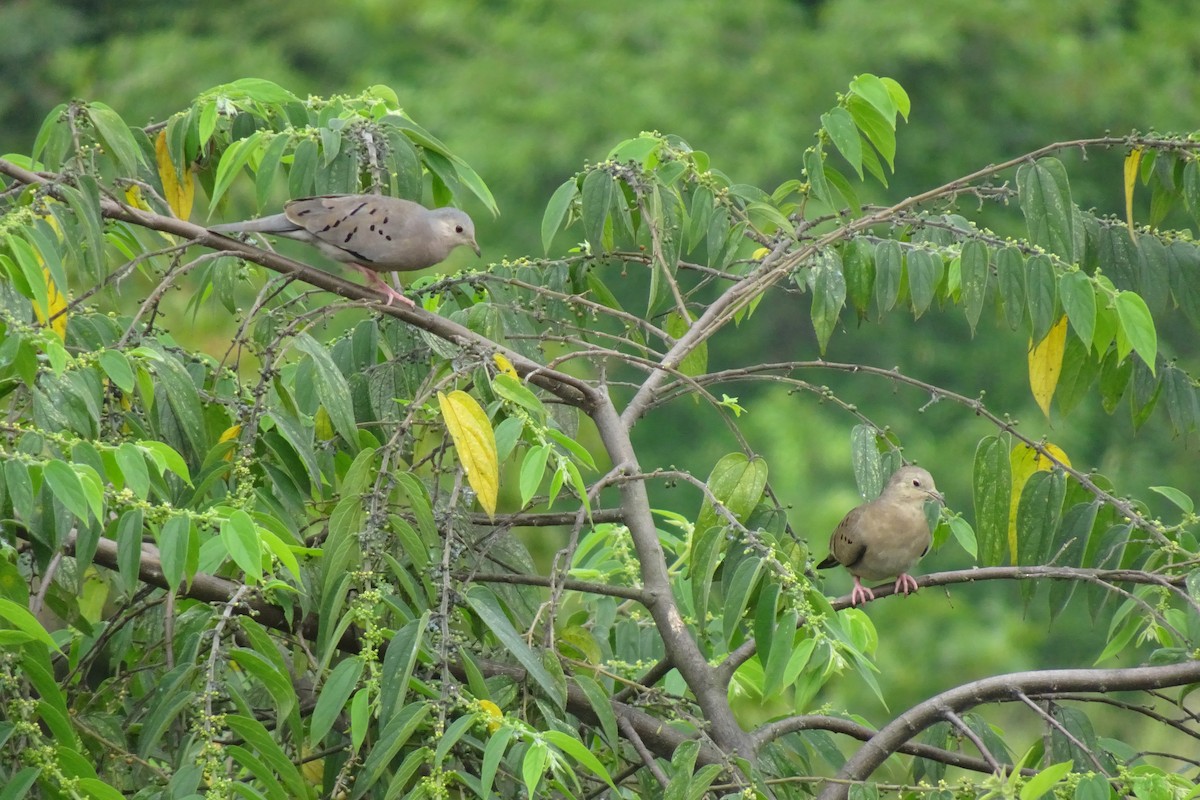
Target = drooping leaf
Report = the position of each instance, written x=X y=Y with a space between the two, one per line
x=469 y=428
x=991 y=489
x=828 y=294
x=975 y=276
x=1041 y=292
x=889 y=267
x=1137 y=327
x=843 y=133
x=556 y=211
x=1045 y=197
x=924 y=273
x=1045 y=364
x=1079 y=302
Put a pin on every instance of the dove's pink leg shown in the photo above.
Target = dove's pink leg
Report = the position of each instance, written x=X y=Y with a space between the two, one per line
x=905 y=583
x=860 y=593
x=377 y=283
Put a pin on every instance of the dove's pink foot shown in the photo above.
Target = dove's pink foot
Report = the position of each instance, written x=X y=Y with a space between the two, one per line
x=905 y=583
x=860 y=594
x=379 y=285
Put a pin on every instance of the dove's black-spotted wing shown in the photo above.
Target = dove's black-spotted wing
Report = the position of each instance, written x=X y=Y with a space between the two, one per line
x=846 y=545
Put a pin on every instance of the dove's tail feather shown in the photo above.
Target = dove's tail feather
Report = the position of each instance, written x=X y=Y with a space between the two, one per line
x=276 y=223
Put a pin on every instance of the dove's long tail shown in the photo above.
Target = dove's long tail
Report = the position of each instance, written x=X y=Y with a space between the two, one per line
x=276 y=223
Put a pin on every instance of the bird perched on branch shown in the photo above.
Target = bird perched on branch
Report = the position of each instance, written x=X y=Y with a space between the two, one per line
x=886 y=536
x=372 y=233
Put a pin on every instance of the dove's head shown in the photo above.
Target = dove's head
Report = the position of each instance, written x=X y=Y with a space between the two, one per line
x=913 y=484
x=455 y=228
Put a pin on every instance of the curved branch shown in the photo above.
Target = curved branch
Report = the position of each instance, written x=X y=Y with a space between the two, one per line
x=1000 y=688
x=809 y=722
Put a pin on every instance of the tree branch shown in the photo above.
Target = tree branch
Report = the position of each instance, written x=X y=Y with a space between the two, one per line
x=1004 y=688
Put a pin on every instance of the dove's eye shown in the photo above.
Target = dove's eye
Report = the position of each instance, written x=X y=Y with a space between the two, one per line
x=917 y=482
x=458 y=228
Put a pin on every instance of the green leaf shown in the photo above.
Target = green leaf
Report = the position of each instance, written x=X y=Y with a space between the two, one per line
x=601 y=705
x=116 y=366
x=1045 y=197
x=814 y=168
x=174 y=547
x=992 y=489
x=828 y=294
x=575 y=749
x=889 y=267
x=598 y=190
x=21 y=619
x=745 y=579
x=485 y=603
x=493 y=752
x=332 y=700
x=1040 y=285
x=858 y=266
x=256 y=736
x=1045 y=780
x=19 y=783
x=114 y=134
x=1079 y=301
x=556 y=211
x=879 y=94
x=514 y=390
x=240 y=538
x=868 y=465
x=924 y=275
x=877 y=128
x=394 y=735
x=533 y=469
x=1010 y=276
x=184 y=400
x=332 y=389
x=1177 y=497
x=1038 y=513
x=737 y=482
x=235 y=157
x=975 y=275
x=64 y=482
x=1137 y=327
x=844 y=134
x=534 y=764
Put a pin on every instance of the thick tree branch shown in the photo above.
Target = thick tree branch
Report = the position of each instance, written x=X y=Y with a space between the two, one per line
x=1003 y=688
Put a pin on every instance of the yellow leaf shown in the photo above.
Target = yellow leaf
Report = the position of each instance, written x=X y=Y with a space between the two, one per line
x=475 y=441
x=761 y=252
x=1131 y=171
x=313 y=769
x=179 y=191
x=133 y=196
x=492 y=713
x=504 y=365
x=1045 y=364
x=323 y=425
x=56 y=302
x=1026 y=461
x=229 y=435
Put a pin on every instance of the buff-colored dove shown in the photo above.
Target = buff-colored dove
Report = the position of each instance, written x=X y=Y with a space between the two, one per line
x=886 y=536
x=372 y=233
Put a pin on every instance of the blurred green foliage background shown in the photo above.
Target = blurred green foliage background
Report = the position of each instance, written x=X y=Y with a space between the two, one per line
x=527 y=91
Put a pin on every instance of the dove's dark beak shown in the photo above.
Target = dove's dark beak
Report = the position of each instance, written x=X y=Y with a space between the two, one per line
x=475 y=247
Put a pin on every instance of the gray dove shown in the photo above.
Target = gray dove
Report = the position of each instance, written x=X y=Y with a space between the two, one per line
x=372 y=233
x=886 y=536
